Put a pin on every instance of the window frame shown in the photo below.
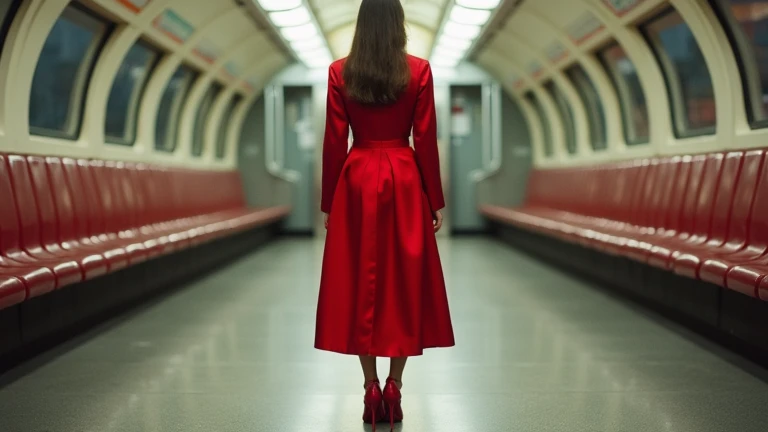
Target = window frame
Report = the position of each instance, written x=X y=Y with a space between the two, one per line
x=625 y=98
x=725 y=18
x=544 y=122
x=176 y=114
x=78 y=14
x=215 y=87
x=226 y=116
x=565 y=109
x=675 y=95
x=134 y=108
x=595 y=115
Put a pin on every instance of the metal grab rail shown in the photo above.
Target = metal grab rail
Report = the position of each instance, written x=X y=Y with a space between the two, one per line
x=491 y=136
x=275 y=136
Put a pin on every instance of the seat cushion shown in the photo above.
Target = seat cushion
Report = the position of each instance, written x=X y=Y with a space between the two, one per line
x=37 y=280
x=12 y=291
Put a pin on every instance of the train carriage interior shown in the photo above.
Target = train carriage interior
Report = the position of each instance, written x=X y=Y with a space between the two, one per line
x=605 y=245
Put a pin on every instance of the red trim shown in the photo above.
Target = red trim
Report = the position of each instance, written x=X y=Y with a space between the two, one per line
x=228 y=75
x=559 y=58
x=171 y=35
x=207 y=59
x=132 y=7
x=156 y=25
x=588 y=36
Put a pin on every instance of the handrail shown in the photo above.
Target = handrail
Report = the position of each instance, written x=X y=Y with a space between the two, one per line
x=491 y=134
x=275 y=136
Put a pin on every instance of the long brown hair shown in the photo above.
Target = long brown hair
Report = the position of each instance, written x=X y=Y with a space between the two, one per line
x=377 y=70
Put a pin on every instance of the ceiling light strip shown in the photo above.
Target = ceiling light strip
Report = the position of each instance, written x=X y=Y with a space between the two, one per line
x=463 y=24
x=299 y=29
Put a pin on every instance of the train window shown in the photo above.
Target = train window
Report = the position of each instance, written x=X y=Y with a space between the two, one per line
x=127 y=88
x=747 y=27
x=201 y=118
x=593 y=104
x=686 y=72
x=226 y=120
x=634 y=109
x=169 y=111
x=546 y=127
x=62 y=73
x=566 y=113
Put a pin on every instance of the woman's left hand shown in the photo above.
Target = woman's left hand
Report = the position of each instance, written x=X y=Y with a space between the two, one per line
x=325 y=219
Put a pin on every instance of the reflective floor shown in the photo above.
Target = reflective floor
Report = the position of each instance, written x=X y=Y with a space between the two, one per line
x=536 y=351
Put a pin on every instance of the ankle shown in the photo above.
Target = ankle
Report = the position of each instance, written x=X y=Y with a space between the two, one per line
x=369 y=382
x=398 y=382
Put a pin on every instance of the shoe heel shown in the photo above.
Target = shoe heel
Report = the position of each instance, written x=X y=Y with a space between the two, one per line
x=391 y=417
x=374 y=418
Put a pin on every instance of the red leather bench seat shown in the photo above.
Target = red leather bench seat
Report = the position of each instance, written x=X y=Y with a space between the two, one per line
x=64 y=221
x=703 y=216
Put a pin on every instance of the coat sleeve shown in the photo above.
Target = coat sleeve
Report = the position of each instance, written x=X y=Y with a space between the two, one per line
x=425 y=140
x=335 y=144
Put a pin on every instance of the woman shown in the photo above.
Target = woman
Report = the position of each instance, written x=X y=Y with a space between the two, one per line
x=382 y=292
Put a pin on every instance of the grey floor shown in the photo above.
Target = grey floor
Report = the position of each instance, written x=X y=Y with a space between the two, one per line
x=536 y=351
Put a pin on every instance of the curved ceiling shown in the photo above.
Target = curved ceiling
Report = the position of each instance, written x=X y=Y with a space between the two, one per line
x=337 y=20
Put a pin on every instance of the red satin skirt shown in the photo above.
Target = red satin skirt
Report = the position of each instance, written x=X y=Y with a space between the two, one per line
x=382 y=291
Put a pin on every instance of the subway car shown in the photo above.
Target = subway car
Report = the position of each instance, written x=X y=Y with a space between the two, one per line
x=160 y=182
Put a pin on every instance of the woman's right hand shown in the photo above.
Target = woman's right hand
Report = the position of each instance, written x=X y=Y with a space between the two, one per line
x=437 y=218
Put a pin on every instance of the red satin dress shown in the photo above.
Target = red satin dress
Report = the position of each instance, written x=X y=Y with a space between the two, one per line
x=382 y=291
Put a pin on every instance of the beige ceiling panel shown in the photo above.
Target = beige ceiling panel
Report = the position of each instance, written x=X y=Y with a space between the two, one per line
x=510 y=48
x=420 y=40
x=426 y=12
x=340 y=40
x=537 y=37
x=530 y=31
x=270 y=65
x=337 y=18
x=229 y=32
x=335 y=15
x=491 y=64
x=199 y=12
x=510 y=75
x=246 y=52
x=571 y=16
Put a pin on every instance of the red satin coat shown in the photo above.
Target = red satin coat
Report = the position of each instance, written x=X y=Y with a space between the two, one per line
x=382 y=291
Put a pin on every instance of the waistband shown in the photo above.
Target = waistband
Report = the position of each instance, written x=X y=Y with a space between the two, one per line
x=370 y=144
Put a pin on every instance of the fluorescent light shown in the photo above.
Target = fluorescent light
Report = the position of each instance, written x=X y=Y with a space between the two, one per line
x=461 y=31
x=476 y=4
x=321 y=52
x=454 y=43
x=443 y=51
x=290 y=18
x=301 y=32
x=443 y=72
x=307 y=44
x=463 y=15
x=279 y=5
x=444 y=62
x=319 y=62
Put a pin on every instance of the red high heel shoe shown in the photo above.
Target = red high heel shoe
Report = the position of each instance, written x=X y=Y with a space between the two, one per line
x=392 y=398
x=374 y=404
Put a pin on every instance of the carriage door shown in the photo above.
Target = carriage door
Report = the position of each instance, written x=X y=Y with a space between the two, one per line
x=466 y=156
x=299 y=142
